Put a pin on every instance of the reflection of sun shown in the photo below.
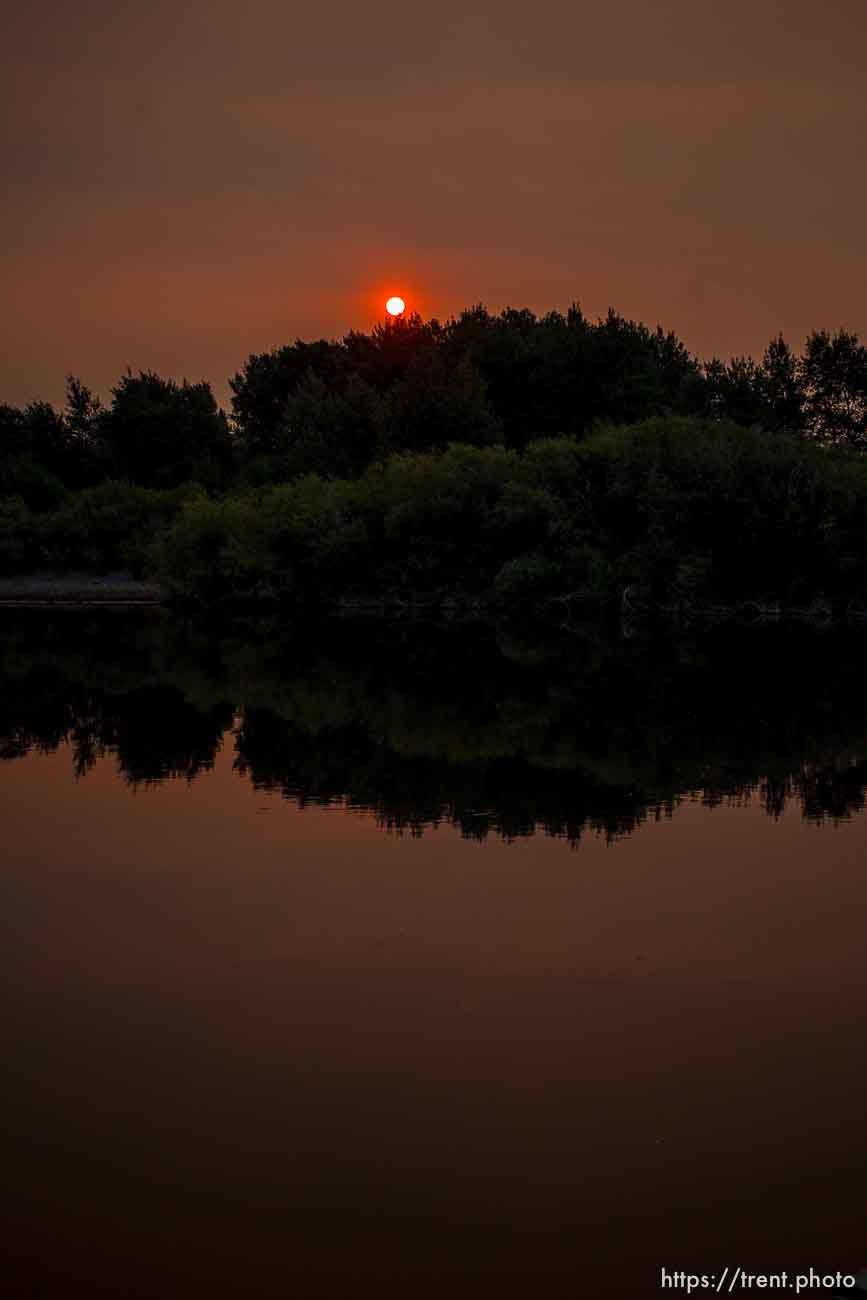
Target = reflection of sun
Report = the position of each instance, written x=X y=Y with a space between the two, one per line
x=395 y=306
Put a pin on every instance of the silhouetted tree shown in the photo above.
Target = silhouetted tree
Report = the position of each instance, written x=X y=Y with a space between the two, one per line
x=83 y=417
x=768 y=394
x=159 y=433
x=385 y=355
x=409 y=385
x=833 y=374
x=33 y=454
x=635 y=374
x=736 y=391
x=435 y=404
x=560 y=374
x=334 y=430
x=505 y=351
x=260 y=391
x=784 y=393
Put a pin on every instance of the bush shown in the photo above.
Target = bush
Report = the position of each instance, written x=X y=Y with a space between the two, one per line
x=18 y=536
x=108 y=527
x=314 y=540
x=706 y=507
x=528 y=579
x=754 y=511
x=302 y=539
x=212 y=549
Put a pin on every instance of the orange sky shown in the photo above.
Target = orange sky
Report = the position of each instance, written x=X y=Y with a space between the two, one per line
x=187 y=184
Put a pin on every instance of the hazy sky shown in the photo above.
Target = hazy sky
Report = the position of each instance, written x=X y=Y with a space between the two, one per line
x=189 y=182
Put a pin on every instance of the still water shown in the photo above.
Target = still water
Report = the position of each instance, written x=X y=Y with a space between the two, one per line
x=407 y=962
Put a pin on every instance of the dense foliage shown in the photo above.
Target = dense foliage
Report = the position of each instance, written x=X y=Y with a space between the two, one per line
x=103 y=528
x=335 y=408
x=506 y=457
x=705 y=509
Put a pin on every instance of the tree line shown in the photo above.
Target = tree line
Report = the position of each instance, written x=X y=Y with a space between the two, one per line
x=335 y=408
x=499 y=459
x=674 y=511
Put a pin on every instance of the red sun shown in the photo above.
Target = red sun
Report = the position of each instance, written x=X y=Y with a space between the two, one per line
x=395 y=306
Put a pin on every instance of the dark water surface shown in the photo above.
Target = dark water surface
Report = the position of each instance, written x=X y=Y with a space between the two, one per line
x=410 y=961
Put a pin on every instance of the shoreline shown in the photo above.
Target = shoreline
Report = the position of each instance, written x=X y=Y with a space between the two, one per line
x=76 y=590
x=120 y=590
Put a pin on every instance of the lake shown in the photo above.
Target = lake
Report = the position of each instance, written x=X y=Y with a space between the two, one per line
x=413 y=960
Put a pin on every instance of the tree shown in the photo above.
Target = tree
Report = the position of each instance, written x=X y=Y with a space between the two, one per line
x=83 y=420
x=83 y=409
x=384 y=356
x=833 y=375
x=736 y=391
x=633 y=373
x=437 y=404
x=784 y=393
x=33 y=454
x=504 y=351
x=333 y=431
x=559 y=374
x=260 y=391
x=159 y=433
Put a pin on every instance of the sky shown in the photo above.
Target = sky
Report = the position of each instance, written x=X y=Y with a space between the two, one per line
x=189 y=183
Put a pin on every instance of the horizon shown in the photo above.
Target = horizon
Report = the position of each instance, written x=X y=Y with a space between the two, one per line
x=222 y=388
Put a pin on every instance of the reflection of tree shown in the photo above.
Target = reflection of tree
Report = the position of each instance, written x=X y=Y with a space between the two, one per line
x=155 y=733
x=35 y=714
x=592 y=733
x=427 y=725
x=409 y=792
x=160 y=734
x=832 y=792
x=775 y=793
x=90 y=682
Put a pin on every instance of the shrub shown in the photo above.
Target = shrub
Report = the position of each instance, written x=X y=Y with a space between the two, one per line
x=18 y=536
x=527 y=579
x=314 y=540
x=107 y=527
x=212 y=550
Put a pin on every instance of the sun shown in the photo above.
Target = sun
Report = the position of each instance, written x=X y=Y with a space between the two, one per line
x=395 y=306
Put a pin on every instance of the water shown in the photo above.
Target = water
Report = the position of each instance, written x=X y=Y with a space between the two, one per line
x=405 y=961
